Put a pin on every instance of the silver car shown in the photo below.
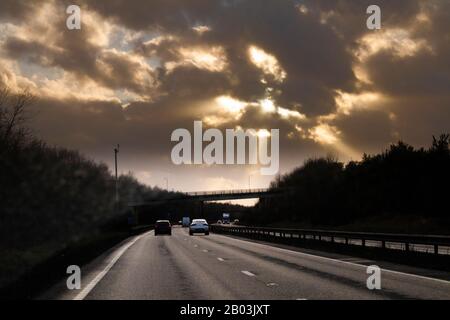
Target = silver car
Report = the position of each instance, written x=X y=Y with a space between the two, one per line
x=199 y=226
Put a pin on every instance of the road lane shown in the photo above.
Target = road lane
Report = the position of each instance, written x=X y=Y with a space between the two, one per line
x=220 y=267
x=167 y=267
x=325 y=278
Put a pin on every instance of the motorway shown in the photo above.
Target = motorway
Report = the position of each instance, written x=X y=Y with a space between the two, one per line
x=221 y=267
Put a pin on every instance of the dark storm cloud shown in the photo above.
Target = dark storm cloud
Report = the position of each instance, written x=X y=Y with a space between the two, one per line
x=17 y=9
x=426 y=73
x=164 y=15
x=423 y=74
x=316 y=60
x=192 y=83
x=348 y=18
x=76 y=53
x=313 y=57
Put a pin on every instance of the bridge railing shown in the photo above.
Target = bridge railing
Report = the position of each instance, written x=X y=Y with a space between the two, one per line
x=229 y=191
x=414 y=243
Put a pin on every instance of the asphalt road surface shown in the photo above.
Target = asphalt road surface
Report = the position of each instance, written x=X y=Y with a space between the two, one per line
x=220 y=267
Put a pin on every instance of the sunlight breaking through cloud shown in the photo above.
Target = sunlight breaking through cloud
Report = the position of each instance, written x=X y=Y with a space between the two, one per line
x=211 y=59
x=267 y=63
x=324 y=134
x=398 y=41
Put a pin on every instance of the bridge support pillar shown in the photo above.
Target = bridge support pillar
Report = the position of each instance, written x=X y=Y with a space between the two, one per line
x=202 y=209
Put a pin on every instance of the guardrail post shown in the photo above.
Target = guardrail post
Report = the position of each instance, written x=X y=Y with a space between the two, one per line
x=436 y=249
x=346 y=240
x=383 y=244
x=406 y=246
x=363 y=242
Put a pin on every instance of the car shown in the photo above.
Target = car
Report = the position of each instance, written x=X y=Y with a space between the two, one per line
x=219 y=221
x=199 y=226
x=163 y=227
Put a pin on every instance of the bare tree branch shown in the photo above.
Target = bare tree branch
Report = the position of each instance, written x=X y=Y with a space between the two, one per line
x=13 y=112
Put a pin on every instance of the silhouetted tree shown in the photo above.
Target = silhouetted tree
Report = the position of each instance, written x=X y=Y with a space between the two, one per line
x=401 y=181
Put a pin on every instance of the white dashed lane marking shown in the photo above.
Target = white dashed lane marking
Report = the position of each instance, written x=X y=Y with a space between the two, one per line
x=220 y=259
x=248 y=273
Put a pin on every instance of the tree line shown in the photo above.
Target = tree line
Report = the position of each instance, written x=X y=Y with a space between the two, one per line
x=51 y=197
x=400 y=182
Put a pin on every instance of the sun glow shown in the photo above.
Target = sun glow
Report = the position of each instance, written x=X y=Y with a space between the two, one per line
x=267 y=63
x=230 y=104
x=267 y=106
x=324 y=134
x=347 y=102
x=286 y=113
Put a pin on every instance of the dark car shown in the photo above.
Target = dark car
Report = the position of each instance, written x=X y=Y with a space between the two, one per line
x=163 y=227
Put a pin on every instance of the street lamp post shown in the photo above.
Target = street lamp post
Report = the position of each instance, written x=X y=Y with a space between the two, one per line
x=116 y=151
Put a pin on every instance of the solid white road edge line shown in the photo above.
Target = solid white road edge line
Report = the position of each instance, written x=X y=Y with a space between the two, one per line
x=336 y=260
x=101 y=274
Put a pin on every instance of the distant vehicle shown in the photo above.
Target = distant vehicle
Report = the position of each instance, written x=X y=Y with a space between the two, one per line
x=186 y=222
x=226 y=218
x=163 y=227
x=236 y=221
x=219 y=221
x=199 y=226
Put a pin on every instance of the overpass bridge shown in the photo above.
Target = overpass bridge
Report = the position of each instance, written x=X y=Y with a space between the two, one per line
x=141 y=209
x=199 y=198
x=220 y=195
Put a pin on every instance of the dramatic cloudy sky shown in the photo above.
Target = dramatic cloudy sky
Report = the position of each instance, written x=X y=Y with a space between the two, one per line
x=139 y=69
